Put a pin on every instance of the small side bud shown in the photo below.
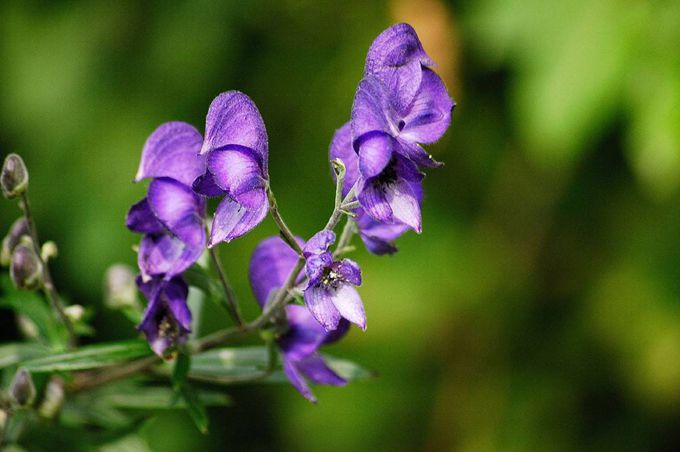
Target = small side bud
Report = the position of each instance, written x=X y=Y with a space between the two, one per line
x=22 y=389
x=120 y=289
x=18 y=229
x=26 y=269
x=27 y=327
x=75 y=313
x=53 y=399
x=14 y=176
x=49 y=251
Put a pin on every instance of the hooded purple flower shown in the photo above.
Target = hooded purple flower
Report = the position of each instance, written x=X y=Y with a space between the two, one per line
x=378 y=237
x=330 y=294
x=171 y=219
x=270 y=265
x=167 y=319
x=171 y=215
x=398 y=105
x=236 y=151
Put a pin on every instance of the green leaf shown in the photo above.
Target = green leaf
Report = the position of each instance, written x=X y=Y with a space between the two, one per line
x=14 y=353
x=198 y=277
x=35 y=309
x=159 y=398
x=91 y=357
x=179 y=374
x=195 y=407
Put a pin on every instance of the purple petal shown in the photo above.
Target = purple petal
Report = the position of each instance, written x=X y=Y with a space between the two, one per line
x=318 y=372
x=141 y=219
x=371 y=110
x=315 y=266
x=349 y=271
x=175 y=293
x=205 y=185
x=341 y=148
x=396 y=58
x=320 y=304
x=348 y=303
x=232 y=220
x=378 y=237
x=304 y=335
x=178 y=208
x=270 y=265
x=430 y=113
x=415 y=153
x=172 y=151
x=375 y=153
x=233 y=119
x=404 y=204
x=297 y=380
x=160 y=254
x=338 y=333
x=319 y=243
x=372 y=199
x=236 y=171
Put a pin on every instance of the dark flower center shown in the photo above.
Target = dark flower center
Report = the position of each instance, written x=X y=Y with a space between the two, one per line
x=330 y=277
x=389 y=174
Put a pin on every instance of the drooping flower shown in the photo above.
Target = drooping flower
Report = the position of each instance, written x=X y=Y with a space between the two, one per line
x=330 y=294
x=270 y=265
x=167 y=319
x=378 y=237
x=399 y=105
x=236 y=151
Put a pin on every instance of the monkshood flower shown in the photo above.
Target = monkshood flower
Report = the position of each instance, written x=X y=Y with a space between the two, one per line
x=399 y=105
x=171 y=215
x=330 y=294
x=378 y=237
x=236 y=151
x=270 y=265
x=167 y=319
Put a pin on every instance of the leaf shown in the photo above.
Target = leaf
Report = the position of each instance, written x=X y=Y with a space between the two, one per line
x=14 y=353
x=179 y=374
x=34 y=308
x=91 y=357
x=195 y=407
x=159 y=398
x=198 y=277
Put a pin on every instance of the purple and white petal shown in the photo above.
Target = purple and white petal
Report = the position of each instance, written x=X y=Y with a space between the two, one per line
x=205 y=185
x=172 y=151
x=304 y=336
x=396 y=57
x=236 y=171
x=348 y=303
x=315 y=267
x=338 y=333
x=341 y=148
x=375 y=153
x=374 y=202
x=317 y=371
x=172 y=202
x=270 y=264
x=415 y=153
x=379 y=237
x=319 y=243
x=140 y=218
x=233 y=119
x=349 y=271
x=404 y=204
x=232 y=220
x=320 y=303
x=371 y=110
x=430 y=113
x=159 y=254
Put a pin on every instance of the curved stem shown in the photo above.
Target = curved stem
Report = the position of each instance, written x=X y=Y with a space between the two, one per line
x=48 y=284
x=232 y=304
x=286 y=233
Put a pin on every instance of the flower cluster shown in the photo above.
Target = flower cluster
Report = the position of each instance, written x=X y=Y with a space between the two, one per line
x=399 y=105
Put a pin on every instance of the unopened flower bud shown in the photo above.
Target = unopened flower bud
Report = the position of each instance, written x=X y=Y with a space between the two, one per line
x=18 y=229
x=27 y=327
x=26 y=269
x=74 y=313
x=120 y=289
x=53 y=399
x=22 y=389
x=14 y=176
x=49 y=251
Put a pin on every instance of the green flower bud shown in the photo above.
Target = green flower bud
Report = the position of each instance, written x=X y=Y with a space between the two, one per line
x=120 y=289
x=49 y=251
x=75 y=312
x=22 y=389
x=18 y=229
x=14 y=176
x=26 y=269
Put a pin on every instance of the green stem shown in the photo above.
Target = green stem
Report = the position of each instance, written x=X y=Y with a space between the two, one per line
x=232 y=304
x=48 y=285
x=286 y=233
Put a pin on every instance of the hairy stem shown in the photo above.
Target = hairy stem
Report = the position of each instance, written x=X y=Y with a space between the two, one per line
x=232 y=304
x=48 y=285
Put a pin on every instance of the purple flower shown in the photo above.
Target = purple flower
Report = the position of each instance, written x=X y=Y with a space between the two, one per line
x=167 y=319
x=236 y=151
x=171 y=219
x=330 y=294
x=270 y=265
x=378 y=237
x=399 y=105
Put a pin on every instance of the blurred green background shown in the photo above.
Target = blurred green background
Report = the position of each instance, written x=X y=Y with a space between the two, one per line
x=540 y=308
